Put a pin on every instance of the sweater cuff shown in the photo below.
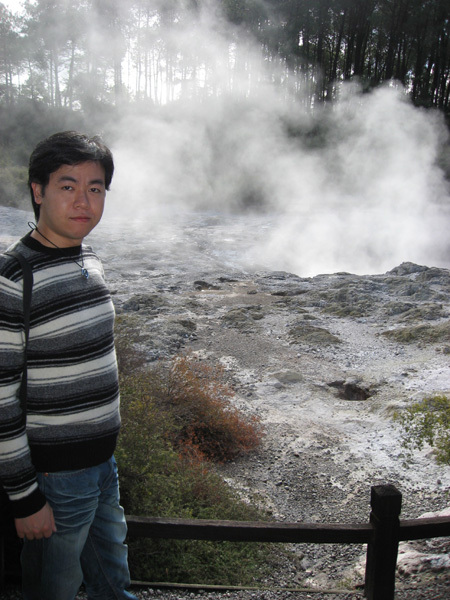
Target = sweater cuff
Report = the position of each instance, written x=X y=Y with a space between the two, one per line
x=25 y=507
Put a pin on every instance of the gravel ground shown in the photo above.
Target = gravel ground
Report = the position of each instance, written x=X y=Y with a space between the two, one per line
x=436 y=587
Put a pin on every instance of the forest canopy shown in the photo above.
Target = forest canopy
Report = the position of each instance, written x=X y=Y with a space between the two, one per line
x=76 y=55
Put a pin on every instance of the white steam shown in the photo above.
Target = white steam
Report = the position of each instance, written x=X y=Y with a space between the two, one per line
x=354 y=187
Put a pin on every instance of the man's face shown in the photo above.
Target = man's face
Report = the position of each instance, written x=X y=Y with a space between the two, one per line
x=71 y=204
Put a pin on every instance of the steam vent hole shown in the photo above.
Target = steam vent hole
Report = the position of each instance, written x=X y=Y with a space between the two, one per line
x=350 y=391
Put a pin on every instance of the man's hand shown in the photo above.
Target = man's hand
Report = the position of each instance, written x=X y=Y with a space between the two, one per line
x=38 y=525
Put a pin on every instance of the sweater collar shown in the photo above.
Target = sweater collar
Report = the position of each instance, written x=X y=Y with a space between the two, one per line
x=35 y=245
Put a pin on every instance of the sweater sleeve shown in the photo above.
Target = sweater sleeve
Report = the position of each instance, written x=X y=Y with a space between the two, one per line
x=17 y=473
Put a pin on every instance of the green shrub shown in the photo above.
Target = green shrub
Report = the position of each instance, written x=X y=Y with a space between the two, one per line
x=200 y=562
x=13 y=187
x=427 y=422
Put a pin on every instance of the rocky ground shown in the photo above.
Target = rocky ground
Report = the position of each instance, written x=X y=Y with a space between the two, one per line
x=324 y=362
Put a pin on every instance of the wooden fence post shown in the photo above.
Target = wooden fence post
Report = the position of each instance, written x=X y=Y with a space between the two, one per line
x=382 y=550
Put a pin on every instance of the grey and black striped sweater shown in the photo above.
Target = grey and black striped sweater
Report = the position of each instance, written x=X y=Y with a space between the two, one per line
x=73 y=394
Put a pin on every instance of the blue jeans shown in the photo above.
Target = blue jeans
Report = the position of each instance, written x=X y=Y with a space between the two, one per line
x=89 y=544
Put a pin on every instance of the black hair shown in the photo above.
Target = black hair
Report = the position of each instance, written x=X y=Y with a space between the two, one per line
x=66 y=148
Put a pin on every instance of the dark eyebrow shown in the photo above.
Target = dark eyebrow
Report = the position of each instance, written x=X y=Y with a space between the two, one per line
x=74 y=180
x=66 y=178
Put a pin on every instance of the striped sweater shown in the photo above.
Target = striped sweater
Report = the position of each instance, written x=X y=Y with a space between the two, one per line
x=73 y=395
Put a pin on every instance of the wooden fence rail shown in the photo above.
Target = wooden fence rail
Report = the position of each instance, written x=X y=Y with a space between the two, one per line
x=382 y=535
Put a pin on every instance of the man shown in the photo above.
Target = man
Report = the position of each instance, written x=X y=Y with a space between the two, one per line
x=58 y=468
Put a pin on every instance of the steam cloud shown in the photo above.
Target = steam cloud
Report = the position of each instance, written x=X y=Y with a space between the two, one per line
x=359 y=190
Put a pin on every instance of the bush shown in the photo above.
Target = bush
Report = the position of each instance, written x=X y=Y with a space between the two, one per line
x=208 y=425
x=428 y=422
x=164 y=472
x=13 y=187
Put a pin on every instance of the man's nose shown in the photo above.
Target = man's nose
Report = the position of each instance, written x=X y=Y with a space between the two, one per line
x=82 y=198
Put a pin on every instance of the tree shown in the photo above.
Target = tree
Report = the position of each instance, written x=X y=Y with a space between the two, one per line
x=110 y=47
x=52 y=38
x=76 y=55
x=10 y=55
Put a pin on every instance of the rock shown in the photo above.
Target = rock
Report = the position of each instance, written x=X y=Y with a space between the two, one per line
x=411 y=560
x=291 y=292
x=188 y=324
x=407 y=268
x=204 y=285
x=243 y=317
x=288 y=377
x=144 y=302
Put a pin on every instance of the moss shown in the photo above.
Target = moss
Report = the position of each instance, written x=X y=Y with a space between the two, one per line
x=420 y=333
x=302 y=333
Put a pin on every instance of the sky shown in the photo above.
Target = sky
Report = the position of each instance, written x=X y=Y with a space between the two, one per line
x=13 y=5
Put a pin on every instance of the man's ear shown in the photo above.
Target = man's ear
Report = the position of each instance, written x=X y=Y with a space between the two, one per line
x=37 y=192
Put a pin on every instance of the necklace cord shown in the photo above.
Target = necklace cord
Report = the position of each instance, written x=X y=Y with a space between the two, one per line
x=84 y=271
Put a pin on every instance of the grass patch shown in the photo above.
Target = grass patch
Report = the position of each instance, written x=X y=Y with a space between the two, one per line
x=420 y=333
x=427 y=422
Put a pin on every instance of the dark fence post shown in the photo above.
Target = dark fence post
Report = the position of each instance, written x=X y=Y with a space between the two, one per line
x=382 y=550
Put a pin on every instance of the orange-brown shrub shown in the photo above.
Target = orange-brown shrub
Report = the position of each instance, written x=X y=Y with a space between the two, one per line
x=209 y=426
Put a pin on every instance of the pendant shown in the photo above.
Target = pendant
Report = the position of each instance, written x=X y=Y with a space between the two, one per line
x=85 y=273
